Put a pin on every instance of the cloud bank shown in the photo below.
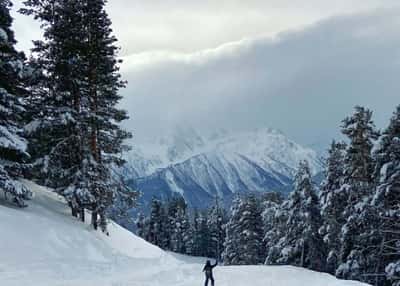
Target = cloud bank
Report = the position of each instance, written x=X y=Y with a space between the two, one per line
x=302 y=82
x=192 y=25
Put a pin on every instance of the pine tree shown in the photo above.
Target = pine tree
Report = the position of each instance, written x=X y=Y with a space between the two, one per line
x=156 y=223
x=57 y=133
x=231 y=254
x=179 y=226
x=201 y=236
x=215 y=224
x=196 y=233
x=166 y=231
x=188 y=234
x=333 y=200
x=102 y=84
x=55 y=139
x=141 y=226
x=358 y=186
x=77 y=136
x=271 y=220
x=251 y=232
x=13 y=145
x=386 y=202
x=275 y=237
x=302 y=244
x=244 y=233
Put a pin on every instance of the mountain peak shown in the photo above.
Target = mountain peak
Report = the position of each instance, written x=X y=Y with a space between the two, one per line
x=225 y=163
x=265 y=146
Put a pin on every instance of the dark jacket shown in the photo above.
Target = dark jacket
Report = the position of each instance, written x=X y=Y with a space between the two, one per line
x=208 y=267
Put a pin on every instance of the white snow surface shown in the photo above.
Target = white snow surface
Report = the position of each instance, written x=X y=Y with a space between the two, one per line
x=43 y=245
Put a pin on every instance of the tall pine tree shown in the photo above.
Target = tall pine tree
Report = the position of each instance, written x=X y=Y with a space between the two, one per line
x=231 y=254
x=180 y=231
x=272 y=224
x=358 y=186
x=244 y=233
x=386 y=202
x=216 y=221
x=201 y=235
x=156 y=225
x=301 y=244
x=333 y=200
x=77 y=135
x=251 y=231
x=13 y=146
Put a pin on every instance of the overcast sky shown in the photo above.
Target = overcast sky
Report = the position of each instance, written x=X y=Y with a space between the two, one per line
x=296 y=65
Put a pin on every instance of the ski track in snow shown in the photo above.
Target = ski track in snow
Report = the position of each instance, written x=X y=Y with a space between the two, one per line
x=42 y=245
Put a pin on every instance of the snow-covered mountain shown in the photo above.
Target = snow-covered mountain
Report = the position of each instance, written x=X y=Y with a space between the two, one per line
x=173 y=147
x=202 y=167
x=43 y=245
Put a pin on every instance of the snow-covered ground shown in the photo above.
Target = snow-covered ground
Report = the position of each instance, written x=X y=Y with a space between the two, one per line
x=43 y=245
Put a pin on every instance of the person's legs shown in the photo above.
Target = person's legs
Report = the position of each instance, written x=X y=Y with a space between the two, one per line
x=206 y=284
x=212 y=281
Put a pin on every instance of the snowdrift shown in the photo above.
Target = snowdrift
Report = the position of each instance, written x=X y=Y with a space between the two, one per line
x=42 y=245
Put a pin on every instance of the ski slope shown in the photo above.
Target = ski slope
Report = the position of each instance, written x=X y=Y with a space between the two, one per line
x=42 y=245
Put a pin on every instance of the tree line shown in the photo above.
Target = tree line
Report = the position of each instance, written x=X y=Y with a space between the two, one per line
x=59 y=120
x=172 y=226
x=348 y=226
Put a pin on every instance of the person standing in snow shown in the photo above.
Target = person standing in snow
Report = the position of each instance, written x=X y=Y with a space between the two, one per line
x=208 y=271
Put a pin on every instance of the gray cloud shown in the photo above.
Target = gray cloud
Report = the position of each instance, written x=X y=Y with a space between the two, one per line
x=192 y=25
x=302 y=82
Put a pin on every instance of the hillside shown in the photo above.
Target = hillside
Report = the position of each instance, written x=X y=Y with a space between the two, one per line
x=42 y=245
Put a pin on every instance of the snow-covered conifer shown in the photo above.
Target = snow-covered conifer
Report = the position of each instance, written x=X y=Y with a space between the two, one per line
x=251 y=231
x=244 y=233
x=201 y=234
x=13 y=145
x=271 y=204
x=142 y=225
x=156 y=223
x=231 y=254
x=216 y=221
x=333 y=201
x=180 y=231
x=386 y=202
x=302 y=244
x=76 y=136
x=358 y=187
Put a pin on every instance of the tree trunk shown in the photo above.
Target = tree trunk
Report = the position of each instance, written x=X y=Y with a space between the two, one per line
x=302 y=256
x=82 y=214
x=378 y=265
x=73 y=210
x=103 y=222
x=94 y=126
x=94 y=219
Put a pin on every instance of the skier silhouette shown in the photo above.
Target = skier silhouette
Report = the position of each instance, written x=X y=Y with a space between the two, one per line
x=208 y=268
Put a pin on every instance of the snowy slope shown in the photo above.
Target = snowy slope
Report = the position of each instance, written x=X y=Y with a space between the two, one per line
x=43 y=245
x=223 y=165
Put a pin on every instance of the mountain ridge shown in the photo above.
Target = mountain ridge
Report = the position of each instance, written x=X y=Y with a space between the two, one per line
x=229 y=163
